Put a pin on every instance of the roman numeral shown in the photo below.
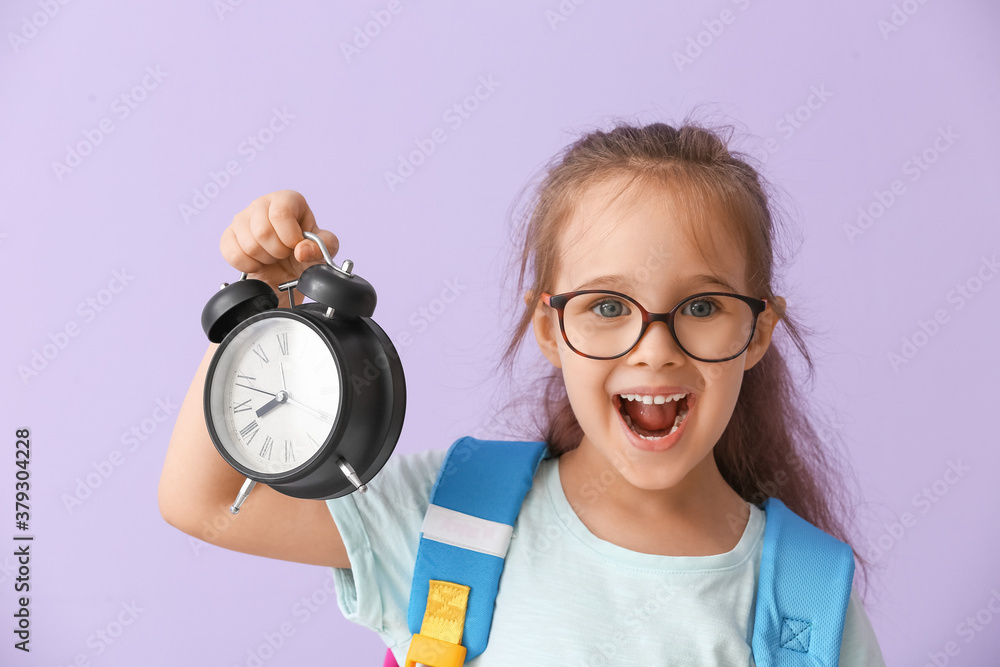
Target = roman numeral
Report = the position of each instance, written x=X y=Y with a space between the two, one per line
x=283 y=342
x=250 y=429
x=289 y=455
x=242 y=407
x=259 y=351
x=246 y=377
x=265 y=450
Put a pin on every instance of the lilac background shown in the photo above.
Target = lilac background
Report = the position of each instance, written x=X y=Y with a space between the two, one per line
x=61 y=239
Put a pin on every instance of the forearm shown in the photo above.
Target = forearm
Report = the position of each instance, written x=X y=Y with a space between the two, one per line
x=196 y=481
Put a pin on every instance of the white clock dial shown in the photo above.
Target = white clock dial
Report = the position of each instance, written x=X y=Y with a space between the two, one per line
x=275 y=395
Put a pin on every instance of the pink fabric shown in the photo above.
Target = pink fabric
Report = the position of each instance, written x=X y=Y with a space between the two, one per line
x=390 y=660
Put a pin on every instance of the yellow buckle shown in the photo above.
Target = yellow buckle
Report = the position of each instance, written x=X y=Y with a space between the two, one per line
x=439 y=642
x=434 y=652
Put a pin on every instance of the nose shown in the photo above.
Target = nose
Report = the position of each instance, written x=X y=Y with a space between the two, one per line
x=656 y=347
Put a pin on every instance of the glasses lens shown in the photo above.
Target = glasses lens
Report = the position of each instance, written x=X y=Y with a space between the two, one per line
x=601 y=325
x=713 y=327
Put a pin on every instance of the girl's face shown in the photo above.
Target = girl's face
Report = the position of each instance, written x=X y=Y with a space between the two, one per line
x=644 y=244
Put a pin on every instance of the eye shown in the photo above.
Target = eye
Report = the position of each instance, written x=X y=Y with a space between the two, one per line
x=610 y=307
x=700 y=307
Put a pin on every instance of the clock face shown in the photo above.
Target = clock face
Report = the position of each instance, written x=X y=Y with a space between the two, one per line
x=275 y=394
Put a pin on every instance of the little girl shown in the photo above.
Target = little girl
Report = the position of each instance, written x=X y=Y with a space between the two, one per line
x=639 y=542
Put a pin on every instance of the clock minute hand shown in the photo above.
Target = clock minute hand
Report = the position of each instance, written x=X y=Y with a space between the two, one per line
x=245 y=386
x=316 y=413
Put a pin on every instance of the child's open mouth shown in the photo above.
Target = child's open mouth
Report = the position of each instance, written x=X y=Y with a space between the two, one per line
x=653 y=417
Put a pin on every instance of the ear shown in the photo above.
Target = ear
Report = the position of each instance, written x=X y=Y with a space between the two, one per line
x=766 y=322
x=545 y=322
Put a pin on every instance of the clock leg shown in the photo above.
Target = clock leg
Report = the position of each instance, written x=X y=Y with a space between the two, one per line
x=351 y=475
x=244 y=492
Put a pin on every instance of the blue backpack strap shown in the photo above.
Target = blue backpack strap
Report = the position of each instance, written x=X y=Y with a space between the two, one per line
x=802 y=592
x=473 y=505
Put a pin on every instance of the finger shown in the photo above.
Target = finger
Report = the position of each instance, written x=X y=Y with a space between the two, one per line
x=233 y=253
x=269 y=227
x=290 y=216
x=306 y=250
x=247 y=243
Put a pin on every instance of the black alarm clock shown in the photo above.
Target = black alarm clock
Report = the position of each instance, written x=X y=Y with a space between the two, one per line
x=307 y=399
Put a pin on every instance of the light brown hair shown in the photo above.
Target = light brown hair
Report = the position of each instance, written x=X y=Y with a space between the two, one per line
x=772 y=445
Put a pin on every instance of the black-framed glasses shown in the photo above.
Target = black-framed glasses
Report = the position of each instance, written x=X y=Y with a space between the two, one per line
x=709 y=326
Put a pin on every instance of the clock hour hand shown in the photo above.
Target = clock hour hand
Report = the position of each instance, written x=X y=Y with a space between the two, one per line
x=267 y=407
x=279 y=398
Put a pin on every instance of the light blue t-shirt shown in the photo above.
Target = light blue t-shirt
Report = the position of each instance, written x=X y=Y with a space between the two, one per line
x=566 y=597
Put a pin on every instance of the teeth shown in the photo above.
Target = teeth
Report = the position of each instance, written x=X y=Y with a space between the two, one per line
x=658 y=400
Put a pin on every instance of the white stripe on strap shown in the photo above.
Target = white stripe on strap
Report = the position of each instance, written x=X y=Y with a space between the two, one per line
x=466 y=531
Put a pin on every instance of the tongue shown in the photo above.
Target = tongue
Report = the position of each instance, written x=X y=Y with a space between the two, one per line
x=651 y=417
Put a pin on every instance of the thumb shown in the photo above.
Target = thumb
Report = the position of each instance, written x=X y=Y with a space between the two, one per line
x=308 y=252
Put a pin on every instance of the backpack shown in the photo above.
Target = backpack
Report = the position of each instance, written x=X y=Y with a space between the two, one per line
x=802 y=590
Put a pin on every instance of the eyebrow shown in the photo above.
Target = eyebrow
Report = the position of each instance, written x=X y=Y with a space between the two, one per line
x=620 y=281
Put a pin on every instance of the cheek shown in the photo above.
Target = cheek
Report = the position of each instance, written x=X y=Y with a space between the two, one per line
x=723 y=382
x=584 y=384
